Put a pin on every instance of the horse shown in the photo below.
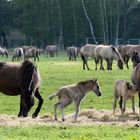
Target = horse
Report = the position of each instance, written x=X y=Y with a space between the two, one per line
x=26 y=83
x=3 y=51
x=135 y=77
x=87 y=51
x=135 y=58
x=76 y=93
x=72 y=53
x=127 y=51
x=123 y=90
x=51 y=50
x=18 y=54
x=32 y=53
x=107 y=52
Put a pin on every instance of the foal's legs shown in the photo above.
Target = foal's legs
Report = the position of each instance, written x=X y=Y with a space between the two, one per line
x=133 y=106
x=77 y=109
x=55 y=110
x=38 y=96
x=63 y=105
x=123 y=106
x=114 y=104
x=101 y=64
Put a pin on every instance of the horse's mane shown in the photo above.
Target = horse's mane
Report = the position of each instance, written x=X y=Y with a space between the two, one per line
x=84 y=82
x=27 y=71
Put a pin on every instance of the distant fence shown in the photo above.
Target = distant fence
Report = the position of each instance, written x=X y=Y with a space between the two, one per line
x=133 y=41
x=119 y=41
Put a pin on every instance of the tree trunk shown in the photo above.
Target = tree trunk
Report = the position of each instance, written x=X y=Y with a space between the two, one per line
x=61 y=26
x=90 y=24
x=75 y=24
x=102 y=17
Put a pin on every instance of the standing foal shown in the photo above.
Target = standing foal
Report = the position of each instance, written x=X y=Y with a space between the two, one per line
x=76 y=93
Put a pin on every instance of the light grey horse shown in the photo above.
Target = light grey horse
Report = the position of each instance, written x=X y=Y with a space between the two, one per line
x=107 y=52
x=18 y=54
x=85 y=52
x=76 y=93
x=3 y=51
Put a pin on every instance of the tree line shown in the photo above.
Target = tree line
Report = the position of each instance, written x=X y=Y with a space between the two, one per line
x=67 y=22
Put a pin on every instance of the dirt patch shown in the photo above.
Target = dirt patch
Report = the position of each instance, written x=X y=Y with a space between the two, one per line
x=88 y=117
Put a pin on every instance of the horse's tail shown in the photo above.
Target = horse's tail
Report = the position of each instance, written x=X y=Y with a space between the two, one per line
x=52 y=96
x=82 y=57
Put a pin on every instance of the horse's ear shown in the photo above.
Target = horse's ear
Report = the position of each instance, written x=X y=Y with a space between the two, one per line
x=129 y=86
x=95 y=80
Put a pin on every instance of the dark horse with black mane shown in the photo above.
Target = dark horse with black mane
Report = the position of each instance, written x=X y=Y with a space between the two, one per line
x=21 y=79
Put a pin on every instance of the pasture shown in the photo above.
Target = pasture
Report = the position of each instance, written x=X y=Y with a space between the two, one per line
x=56 y=72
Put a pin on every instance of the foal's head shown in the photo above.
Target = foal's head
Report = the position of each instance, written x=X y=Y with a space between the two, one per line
x=96 y=87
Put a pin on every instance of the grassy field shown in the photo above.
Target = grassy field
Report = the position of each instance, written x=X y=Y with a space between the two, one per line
x=56 y=72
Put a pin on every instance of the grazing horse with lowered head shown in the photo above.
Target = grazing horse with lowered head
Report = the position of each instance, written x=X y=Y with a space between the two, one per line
x=26 y=79
x=51 y=50
x=85 y=52
x=18 y=54
x=3 y=51
x=72 y=53
x=32 y=53
x=107 y=52
x=127 y=52
x=76 y=93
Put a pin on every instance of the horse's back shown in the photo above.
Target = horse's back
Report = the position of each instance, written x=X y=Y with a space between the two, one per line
x=88 y=50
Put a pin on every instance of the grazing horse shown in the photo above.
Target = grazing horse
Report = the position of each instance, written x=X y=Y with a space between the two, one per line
x=3 y=51
x=127 y=51
x=136 y=80
x=135 y=58
x=108 y=53
x=72 y=53
x=17 y=54
x=76 y=93
x=51 y=50
x=85 y=52
x=31 y=53
x=26 y=79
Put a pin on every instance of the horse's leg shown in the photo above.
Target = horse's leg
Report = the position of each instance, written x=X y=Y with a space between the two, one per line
x=133 y=105
x=38 y=96
x=126 y=61
x=21 y=109
x=96 y=63
x=123 y=106
x=101 y=64
x=64 y=104
x=55 y=110
x=77 y=109
x=120 y=103
x=114 y=104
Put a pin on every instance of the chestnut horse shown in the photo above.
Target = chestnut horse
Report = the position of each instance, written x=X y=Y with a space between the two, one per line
x=21 y=79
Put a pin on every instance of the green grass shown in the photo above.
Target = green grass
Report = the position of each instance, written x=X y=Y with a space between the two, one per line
x=56 y=72
x=69 y=133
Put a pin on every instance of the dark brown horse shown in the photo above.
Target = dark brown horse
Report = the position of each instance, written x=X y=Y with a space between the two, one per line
x=136 y=80
x=21 y=79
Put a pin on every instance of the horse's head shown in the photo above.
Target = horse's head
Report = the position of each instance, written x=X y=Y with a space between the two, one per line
x=120 y=63
x=96 y=87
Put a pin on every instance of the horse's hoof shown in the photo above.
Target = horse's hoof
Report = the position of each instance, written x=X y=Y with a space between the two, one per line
x=34 y=115
x=63 y=120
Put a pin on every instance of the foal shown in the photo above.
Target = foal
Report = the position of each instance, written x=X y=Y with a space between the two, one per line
x=76 y=93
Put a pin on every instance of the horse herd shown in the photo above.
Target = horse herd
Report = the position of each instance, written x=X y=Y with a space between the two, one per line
x=26 y=77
